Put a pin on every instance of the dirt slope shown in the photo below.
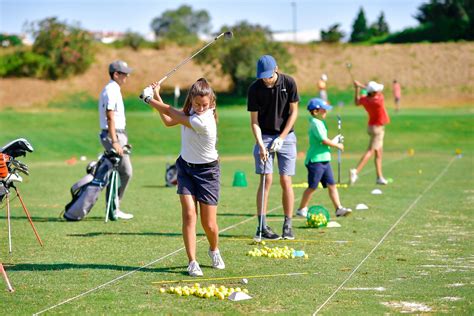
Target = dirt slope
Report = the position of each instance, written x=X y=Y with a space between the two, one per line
x=430 y=74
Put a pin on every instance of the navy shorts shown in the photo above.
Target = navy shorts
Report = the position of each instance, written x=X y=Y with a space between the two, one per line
x=320 y=172
x=199 y=180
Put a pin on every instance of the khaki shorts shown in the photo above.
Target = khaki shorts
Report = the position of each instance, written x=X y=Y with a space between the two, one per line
x=376 y=133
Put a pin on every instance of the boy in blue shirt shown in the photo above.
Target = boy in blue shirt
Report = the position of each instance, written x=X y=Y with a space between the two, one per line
x=318 y=158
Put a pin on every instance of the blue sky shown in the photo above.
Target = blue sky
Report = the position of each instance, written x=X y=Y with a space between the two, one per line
x=136 y=15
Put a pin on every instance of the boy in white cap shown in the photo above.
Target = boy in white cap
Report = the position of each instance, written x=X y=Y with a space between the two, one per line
x=112 y=125
x=318 y=158
x=375 y=106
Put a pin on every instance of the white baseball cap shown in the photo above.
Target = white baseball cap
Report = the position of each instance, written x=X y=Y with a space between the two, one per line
x=373 y=86
x=324 y=77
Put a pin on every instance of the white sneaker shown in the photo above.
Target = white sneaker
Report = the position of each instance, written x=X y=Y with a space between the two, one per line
x=353 y=176
x=343 y=211
x=194 y=269
x=123 y=215
x=382 y=181
x=217 y=262
x=302 y=212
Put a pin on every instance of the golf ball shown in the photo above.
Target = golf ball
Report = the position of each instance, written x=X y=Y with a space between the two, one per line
x=244 y=281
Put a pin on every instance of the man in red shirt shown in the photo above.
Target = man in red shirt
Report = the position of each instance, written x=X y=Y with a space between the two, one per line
x=378 y=118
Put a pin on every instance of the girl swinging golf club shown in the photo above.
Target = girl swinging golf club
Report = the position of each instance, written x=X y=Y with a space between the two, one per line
x=198 y=165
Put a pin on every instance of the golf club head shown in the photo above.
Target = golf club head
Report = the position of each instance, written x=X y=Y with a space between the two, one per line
x=228 y=35
x=348 y=65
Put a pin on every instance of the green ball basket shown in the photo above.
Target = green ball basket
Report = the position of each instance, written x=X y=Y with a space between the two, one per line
x=317 y=216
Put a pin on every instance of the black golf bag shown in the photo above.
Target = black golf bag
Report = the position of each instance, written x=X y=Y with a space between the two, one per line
x=85 y=192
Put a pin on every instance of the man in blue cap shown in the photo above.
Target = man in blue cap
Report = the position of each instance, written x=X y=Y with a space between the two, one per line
x=272 y=101
x=318 y=158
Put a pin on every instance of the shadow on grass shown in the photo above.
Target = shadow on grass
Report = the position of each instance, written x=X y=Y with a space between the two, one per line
x=97 y=234
x=74 y=266
x=51 y=219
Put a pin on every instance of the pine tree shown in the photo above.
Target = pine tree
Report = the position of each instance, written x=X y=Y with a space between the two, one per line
x=360 y=31
x=380 y=27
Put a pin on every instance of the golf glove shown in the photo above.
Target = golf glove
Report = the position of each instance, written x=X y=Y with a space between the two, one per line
x=338 y=139
x=276 y=145
x=147 y=94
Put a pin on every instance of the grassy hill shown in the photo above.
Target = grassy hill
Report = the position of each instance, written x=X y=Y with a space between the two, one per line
x=431 y=74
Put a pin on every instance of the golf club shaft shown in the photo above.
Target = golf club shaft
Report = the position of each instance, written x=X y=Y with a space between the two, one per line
x=348 y=67
x=184 y=62
x=339 y=127
x=262 y=204
x=9 y=224
x=237 y=277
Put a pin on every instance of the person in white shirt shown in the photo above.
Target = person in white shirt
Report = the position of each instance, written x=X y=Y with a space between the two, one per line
x=198 y=165
x=112 y=125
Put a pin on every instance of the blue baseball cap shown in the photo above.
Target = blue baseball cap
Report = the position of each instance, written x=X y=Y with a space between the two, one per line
x=265 y=66
x=317 y=103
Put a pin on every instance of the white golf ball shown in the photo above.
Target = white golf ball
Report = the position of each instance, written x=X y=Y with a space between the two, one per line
x=83 y=158
x=244 y=281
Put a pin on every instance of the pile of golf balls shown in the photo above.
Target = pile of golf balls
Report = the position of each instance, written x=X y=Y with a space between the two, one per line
x=276 y=252
x=220 y=292
x=316 y=220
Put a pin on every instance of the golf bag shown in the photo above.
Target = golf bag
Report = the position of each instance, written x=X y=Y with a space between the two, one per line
x=10 y=166
x=85 y=192
x=171 y=175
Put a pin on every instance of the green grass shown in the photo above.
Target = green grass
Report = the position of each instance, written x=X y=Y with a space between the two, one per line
x=426 y=258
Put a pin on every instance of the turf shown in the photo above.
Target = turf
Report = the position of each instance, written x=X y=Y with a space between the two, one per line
x=413 y=245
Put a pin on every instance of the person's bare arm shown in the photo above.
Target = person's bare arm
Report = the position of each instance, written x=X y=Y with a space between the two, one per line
x=112 y=133
x=257 y=133
x=357 y=86
x=169 y=115
x=291 y=120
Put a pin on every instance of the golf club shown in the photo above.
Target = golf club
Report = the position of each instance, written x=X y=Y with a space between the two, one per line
x=227 y=35
x=339 y=126
x=349 y=66
x=262 y=209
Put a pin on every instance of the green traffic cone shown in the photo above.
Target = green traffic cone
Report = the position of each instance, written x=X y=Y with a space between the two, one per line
x=239 y=179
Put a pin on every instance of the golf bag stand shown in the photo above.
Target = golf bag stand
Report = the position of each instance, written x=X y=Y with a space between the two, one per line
x=5 y=277
x=7 y=196
x=112 y=193
x=10 y=174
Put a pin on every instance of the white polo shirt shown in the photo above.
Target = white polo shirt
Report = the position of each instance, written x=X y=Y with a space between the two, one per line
x=198 y=144
x=111 y=99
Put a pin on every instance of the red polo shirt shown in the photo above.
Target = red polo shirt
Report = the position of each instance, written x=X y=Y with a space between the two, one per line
x=376 y=109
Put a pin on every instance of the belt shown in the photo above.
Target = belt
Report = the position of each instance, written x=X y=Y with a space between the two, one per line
x=117 y=131
x=200 y=165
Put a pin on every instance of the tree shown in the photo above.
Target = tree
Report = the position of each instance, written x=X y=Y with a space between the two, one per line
x=360 y=32
x=333 y=34
x=440 y=20
x=181 y=25
x=380 y=27
x=133 y=40
x=67 y=47
x=238 y=57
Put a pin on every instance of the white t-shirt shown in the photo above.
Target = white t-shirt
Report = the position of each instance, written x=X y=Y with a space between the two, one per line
x=111 y=99
x=198 y=144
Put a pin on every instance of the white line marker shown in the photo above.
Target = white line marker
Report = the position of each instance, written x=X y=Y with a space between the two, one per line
x=385 y=236
x=172 y=253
